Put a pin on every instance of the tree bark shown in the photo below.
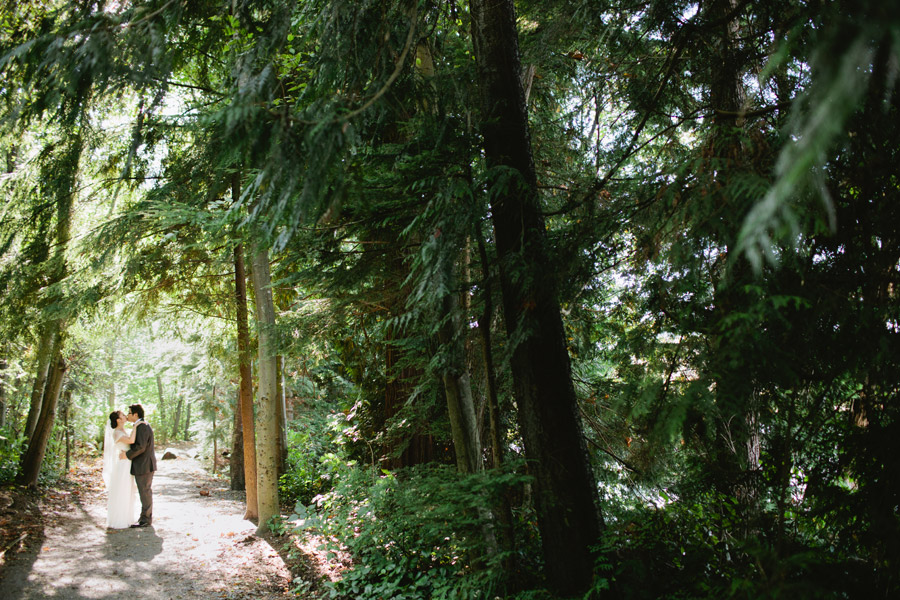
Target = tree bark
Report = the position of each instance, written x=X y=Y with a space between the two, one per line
x=110 y=366
x=34 y=456
x=44 y=353
x=215 y=456
x=177 y=419
x=187 y=419
x=162 y=407
x=565 y=491
x=266 y=392
x=457 y=388
x=281 y=407
x=248 y=427
x=236 y=460
x=3 y=392
x=66 y=408
x=490 y=378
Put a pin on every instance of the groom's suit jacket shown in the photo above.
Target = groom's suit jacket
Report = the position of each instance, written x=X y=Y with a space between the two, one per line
x=142 y=453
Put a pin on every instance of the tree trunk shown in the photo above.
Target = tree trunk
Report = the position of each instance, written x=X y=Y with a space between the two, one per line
x=187 y=419
x=236 y=460
x=215 y=455
x=736 y=457
x=177 y=419
x=457 y=389
x=34 y=456
x=503 y=509
x=245 y=395
x=565 y=491
x=162 y=407
x=44 y=353
x=3 y=392
x=266 y=392
x=490 y=379
x=110 y=368
x=67 y=406
x=282 y=449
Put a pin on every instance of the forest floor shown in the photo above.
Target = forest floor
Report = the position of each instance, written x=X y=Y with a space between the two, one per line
x=55 y=544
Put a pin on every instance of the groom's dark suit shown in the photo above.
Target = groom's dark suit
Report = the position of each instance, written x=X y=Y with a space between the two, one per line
x=143 y=464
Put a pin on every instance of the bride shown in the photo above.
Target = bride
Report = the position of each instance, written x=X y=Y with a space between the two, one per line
x=117 y=476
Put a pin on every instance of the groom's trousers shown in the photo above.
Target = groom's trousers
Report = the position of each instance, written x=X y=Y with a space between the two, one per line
x=144 y=483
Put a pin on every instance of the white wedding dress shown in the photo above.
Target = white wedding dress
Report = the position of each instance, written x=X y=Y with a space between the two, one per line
x=120 y=486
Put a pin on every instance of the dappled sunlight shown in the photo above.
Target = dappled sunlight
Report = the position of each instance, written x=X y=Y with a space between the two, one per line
x=198 y=546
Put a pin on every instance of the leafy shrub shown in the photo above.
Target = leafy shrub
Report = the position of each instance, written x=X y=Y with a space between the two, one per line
x=10 y=451
x=423 y=532
x=309 y=438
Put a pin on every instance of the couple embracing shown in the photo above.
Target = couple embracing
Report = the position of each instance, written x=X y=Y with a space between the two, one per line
x=129 y=460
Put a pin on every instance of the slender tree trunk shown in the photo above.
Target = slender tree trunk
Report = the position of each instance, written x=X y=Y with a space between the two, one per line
x=504 y=508
x=282 y=449
x=3 y=392
x=457 y=388
x=236 y=460
x=266 y=394
x=177 y=419
x=215 y=438
x=110 y=368
x=565 y=491
x=490 y=378
x=67 y=406
x=737 y=453
x=34 y=456
x=162 y=407
x=187 y=419
x=44 y=354
x=245 y=395
x=246 y=387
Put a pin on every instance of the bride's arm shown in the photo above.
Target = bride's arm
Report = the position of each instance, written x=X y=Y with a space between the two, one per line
x=129 y=439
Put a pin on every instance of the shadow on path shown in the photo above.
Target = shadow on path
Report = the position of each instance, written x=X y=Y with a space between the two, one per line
x=198 y=547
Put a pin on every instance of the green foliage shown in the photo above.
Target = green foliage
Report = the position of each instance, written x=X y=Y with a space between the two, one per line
x=10 y=452
x=310 y=438
x=415 y=533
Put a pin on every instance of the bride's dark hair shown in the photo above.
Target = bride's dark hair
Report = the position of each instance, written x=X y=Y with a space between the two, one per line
x=114 y=419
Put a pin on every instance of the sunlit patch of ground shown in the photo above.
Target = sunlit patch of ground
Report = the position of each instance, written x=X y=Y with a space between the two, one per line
x=199 y=547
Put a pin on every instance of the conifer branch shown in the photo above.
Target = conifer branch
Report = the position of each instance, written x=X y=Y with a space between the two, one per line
x=397 y=70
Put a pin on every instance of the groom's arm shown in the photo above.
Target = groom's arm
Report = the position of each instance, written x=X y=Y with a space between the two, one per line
x=140 y=442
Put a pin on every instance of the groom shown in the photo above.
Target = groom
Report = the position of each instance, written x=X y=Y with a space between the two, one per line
x=143 y=462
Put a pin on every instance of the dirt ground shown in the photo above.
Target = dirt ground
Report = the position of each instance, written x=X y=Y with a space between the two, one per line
x=198 y=547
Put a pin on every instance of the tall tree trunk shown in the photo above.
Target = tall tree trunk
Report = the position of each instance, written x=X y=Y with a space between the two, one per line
x=162 y=407
x=281 y=407
x=177 y=419
x=737 y=453
x=236 y=460
x=266 y=392
x=3 y=392
x=187 y=419
x=44 y=354
x=490 y=378
x=66 y=408
x=457 y=388
x=110 y=368
x=418 y=447
x=565 y=491
x=245 y=395
x=34 y=456
x=504 y=507
x=215 y=456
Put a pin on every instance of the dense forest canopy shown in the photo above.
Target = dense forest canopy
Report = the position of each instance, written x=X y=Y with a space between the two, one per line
x=536 y=299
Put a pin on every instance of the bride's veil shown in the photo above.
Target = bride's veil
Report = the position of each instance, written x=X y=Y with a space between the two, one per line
x=109 y=453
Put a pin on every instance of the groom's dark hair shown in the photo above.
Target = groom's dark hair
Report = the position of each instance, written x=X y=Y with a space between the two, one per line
x=137 y=409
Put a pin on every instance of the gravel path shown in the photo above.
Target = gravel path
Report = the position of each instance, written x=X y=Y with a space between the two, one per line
x=198 y=547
